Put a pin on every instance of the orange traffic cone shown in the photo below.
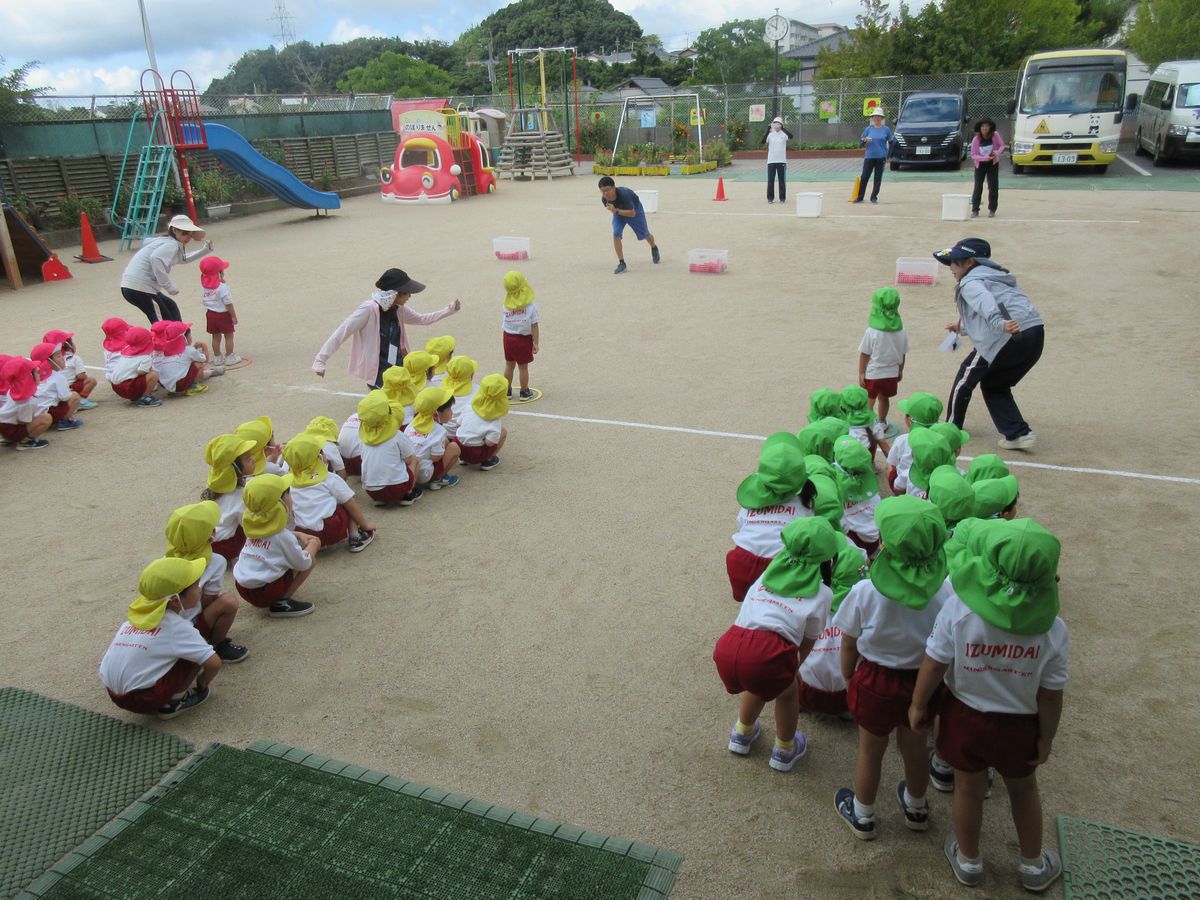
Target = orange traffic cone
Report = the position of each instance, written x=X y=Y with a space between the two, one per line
x=854 y=190
x=54 y=270
x=720 y=189
x=91 y=252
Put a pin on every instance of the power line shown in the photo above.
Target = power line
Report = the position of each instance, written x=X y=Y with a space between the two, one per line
x=283 y=21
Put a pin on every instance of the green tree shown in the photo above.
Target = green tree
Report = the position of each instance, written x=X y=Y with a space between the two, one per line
x=1166 y=29
x=736 y=52
x=589 y=25
x=395 y=73
x=867 y=52
x=16 y=97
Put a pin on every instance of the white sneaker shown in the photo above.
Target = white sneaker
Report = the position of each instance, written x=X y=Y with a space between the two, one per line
x=218 y=360
x=213 y=371
x=232 y=359
x=1024 y=442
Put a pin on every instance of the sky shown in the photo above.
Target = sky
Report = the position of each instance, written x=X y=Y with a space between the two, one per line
x=87 y=47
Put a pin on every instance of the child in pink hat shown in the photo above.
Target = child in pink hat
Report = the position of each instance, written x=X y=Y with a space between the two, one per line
x=221 y=317
x=20 y=421
x=73 y=367
x=54 y=394
x=132 y=374
x=182 y=367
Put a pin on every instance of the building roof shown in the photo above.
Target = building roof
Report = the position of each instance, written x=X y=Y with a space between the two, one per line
x=810 y=50
x=647 y=85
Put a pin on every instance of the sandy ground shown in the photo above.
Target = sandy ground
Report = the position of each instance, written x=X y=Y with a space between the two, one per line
x=541 y=635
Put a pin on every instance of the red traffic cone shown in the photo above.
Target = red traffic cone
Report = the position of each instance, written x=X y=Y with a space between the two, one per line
x=720 y=189
x=54 y=270
x=91 y=252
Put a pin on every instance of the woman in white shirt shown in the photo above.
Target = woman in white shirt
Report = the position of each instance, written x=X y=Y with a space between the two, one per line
x=146 y=281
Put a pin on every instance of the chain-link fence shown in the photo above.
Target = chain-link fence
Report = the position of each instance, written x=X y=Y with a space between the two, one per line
x=88 y=108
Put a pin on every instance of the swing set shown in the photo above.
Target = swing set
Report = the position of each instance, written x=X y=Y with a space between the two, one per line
x=530 y=97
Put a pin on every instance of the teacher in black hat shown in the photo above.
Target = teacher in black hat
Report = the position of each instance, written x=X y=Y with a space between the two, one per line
x=376 y=328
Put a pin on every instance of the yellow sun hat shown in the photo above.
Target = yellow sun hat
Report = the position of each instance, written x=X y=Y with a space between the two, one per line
x=443 y=348
x=324 y=428
x=160 y=581
x=265 y=513
x=491 y=401
x=376 y=422
x=428 y=402
x=220 y=454
x=459 y=373
x=260 y=431
x=398 y=386
x=303 y=456
x=517 y=292
x=418 y=363
x=189 y=530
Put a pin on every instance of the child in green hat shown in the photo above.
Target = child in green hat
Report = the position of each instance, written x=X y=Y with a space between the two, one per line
x=784 y=612
x=881 y=355
x=856 y=476
x=986 y=465
x=929 y=450
x=950 y=492
x=920 y=411
x=770 y=498
x=885 y=622
x=1001 y=649
x=996 y=498
x=955 y=436
x=856 y=410
x=824 y=403
x=817 y=437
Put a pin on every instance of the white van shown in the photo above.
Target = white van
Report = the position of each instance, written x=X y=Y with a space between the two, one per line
x=1169 y=118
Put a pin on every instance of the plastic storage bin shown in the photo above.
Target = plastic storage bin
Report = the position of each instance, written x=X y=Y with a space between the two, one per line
x=649 y=201
x=917 y=270
x=708 y=262
x=808 y=205
x=956 y=207
x=511 y=247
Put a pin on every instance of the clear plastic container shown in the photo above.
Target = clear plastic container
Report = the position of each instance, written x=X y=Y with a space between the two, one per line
x=708 y=262
x=511 y=248
x=917 y=270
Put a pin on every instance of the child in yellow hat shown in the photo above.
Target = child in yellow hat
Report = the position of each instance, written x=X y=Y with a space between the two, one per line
x=460 y=382
x=389 y=460
x=323 y=505
x=266 y=451
x=480 y=436
x=158 y=663
x=326 y=430
x=275 y=561
x=231 y=461
x=443 y=348
x=437 y=455
x=350 y=446
x=521 y=334
x=398 y=386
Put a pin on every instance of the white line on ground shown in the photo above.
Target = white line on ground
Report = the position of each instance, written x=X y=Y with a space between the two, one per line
x=715 y=212
x=1079 y=470
x=1129 y=162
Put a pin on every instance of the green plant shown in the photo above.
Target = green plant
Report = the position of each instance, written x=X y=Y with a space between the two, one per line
x=325 y=179
x=679 y=137
x=735 y=132
x=212 y=183
x=71 y=204
x=718 y=152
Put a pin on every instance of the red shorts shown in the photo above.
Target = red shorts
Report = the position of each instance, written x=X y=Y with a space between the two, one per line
x=518 y=348
x=264 y=596
x=218 y=322
x=151 y=699
x=13 y=431
x=871 y=547
x=971 y=740
x=353 y=465
x=187 y=380
x=231 y=546
x=882 y=387
x=335 y=530
x=78 y=386
x=133 y=389
x=892 y=473
x=393 y=493
x=761 y=662
x=59 y=411
x=879 y=697
x=831 y=703
x=475 y=455
x=744 y=568
x=439 y=469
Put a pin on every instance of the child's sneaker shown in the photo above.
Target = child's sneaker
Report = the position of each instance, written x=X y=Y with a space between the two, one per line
x=197 y=389
x=215 y=370
x=526 y=394
x=1037 y=879
x=32 y=443
x=968 y=873
x=489 y=464
x=359 y=540
x=620 y=268
x=85 y=403
x=232 y=360
x=147 y=401
x=785 y=760
x=863 y=828
x=193 y=698
x=740 y=743
x=444 y=481
x=915 y=817
x=941 y=775
x=509 y=393
x=287 y=608
x=654 y=254
x=218 y=360
x=231 y=652
x=67 y=424
x=411 y=497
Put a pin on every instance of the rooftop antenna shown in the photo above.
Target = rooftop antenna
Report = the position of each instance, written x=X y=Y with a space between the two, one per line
x=283 y=20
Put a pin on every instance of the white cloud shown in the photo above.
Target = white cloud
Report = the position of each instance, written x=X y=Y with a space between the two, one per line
x=345 y=30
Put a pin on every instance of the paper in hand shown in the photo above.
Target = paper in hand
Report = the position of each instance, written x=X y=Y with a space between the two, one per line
x=950 y=343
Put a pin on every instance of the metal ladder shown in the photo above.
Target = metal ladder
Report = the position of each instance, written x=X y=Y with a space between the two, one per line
x=149 y=184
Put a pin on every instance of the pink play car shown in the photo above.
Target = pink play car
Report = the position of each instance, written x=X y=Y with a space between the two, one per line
x=425 y=171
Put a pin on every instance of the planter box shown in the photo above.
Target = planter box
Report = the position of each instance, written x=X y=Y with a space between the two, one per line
x=217 y=211
x=801 y=154
x=697 y=168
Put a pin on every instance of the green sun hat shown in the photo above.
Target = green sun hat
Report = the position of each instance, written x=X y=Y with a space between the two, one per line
x=780 y=474
x=952 y=494
x=994 y=495
x=987 y=465
x=829 y=500
x=885 y=310
x=929 y=450
x=851 y=568
x=824 y=402
x=954 y=435
x=856 y=409
x=856 y=472
x=819 y=465
x=817 y=438
x=924 y=409
x=1008 y=575
x=956 y=543
x=912 y=564
x=796 y=569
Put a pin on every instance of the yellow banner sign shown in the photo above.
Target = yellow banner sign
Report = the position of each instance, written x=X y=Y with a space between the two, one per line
x=697 y=117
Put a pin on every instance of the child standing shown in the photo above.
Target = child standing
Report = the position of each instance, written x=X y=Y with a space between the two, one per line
x=626 y=209
x=275 y=561
x=920 y=411
x=783 y=614
x=520 y=330
x=480 y=435
x=884 y=622
x=220 y=316
x=73 y=368
x=389 y=460
x=132 y=375
x=21 y=424
x=322 y=503
x=436 y=454
x=881 y=355
x=1001 y=649
x=231 y=462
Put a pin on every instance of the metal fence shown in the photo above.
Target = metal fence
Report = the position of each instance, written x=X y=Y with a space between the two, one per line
x=58 y=108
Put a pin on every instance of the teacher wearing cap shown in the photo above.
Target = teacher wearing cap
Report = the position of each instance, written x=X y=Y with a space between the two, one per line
x=776 y=140
x=376 y=328
x=877 y=138
x=146 y=282
x=1006 y=331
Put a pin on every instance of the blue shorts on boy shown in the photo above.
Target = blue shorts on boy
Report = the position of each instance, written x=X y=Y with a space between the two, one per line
x=628 y=200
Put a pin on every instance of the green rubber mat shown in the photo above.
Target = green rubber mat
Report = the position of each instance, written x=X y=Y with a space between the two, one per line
x=274 y=821
x=64 y=772
x=1101 y=862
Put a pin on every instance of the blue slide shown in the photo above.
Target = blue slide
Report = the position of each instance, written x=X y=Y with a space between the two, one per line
x=237 y=153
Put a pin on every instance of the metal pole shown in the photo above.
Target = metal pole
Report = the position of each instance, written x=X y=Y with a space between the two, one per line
x=146 y=35
x=775 y=98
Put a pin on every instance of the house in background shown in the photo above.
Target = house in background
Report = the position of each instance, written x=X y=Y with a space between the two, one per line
x=806 y=54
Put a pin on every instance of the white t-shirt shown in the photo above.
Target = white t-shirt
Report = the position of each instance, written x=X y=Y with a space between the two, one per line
x=332 y=455
x=427 y=447
x=793 y=618
x=860 y=518
x=461 y=405
x=51 y=392
x=436 y=379
x=889 y=633
x=22 y=412
x=822 y=668
x=265 y=559
x=73 y=366
x=314 y=504
x=900 y=459
x=776 y=146
x=232 y=506
x=349 y=442
x=861 y=433
x=136 y=659
x=127 y=368
x=913 y=491
x=475 y=431
x=992 y=670
x=111 y=358
x=521 y=321
x=172 y=368
x=887 y=350
x=213 y=579
x=217 y=299
x=384 y=464
x=759 y=529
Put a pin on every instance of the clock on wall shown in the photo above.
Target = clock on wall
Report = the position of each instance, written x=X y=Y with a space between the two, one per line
x=777 y=28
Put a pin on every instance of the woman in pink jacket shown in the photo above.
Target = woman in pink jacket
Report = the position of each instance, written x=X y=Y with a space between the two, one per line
x=376 y=328
x=986 y=148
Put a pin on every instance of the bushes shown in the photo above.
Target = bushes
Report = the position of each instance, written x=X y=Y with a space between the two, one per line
x=72 y=203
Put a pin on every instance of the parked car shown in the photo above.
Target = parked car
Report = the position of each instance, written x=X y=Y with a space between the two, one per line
x=931 y=130
x=1169 y=116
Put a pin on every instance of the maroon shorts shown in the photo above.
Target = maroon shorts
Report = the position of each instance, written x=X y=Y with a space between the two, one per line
x=879 y=697
x=151 y=699
x=79 y=384
x=475 y=455
x=59 y=411
x=231 y=546
x=218 y=322
x=264 y=596
x=187 y=380
x=439 y=469
x=882 y=387
x=353 y=465
x=871 y=547
x=744 y=568
x=761 y=662
x=518 y=348
x=892 y=473
x=393 y=493
x=132 y=389
x=336 y=528
x=14 y=431
x=831 y=703
x=971 y=740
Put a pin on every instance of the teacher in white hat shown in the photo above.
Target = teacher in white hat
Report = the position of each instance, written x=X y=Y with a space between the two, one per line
x=776 y=140
x=877 y=139
x=146 y=282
